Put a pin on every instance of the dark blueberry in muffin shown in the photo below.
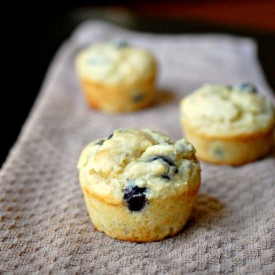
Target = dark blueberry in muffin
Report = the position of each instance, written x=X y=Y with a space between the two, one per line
x=100 y=142
x=110 y=136
x=138 y=97
x=248 y=87
x=120 y=43
x=172 y=166
x=135 y=197
x=219 y=153
x=165 y=159
x=165 y=177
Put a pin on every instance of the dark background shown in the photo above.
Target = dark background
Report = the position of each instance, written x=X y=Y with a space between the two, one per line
x=32 y=32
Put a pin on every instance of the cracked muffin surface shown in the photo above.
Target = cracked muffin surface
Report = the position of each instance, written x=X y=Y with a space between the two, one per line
x=145 y=177
x=116 y=76
x=225 y=110
x=228 y=124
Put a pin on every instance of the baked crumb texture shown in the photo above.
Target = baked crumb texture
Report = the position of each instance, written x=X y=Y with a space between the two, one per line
x=138 y=184
x=228 y=124
x=117 y=77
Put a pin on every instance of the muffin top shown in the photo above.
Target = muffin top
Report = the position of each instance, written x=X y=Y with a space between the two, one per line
x=116 y=62
x=226 y=110
x=138 y=162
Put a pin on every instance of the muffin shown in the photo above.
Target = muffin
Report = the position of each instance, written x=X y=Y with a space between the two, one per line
x=230 y=125
x=138 y=185
x=117 y=77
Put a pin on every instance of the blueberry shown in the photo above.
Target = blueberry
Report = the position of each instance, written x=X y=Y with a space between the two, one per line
x=165 y=176
x=100 y=142
x=172 y=168
x=248 y=87
x=138 y=97
x=119 y=43
x=135 y=197
x=165 y=159
x=219 y=153
x=110 y=136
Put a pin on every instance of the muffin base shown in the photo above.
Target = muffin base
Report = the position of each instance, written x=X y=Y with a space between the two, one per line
x=231 y=150
x=115 y=98
x=159 y=219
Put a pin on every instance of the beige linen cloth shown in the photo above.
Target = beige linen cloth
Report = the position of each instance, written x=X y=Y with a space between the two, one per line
x=45 y=227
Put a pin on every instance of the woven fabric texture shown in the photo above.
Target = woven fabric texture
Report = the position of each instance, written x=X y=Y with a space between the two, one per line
x=44 y=224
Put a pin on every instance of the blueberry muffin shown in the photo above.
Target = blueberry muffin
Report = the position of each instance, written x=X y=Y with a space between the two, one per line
x=230 y=125
x=117 y=77
x=138 y=185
